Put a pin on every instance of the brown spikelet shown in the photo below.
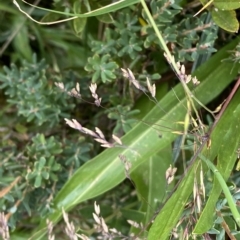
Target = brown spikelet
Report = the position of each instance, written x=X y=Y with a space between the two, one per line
x=4 y=231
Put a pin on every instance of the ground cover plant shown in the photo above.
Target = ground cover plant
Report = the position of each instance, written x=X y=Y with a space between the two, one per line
x=119 y=120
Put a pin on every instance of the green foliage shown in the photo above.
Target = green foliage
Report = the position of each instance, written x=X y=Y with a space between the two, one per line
x=41 y=161
x=42 y=147
x=146 y=142
x=227 y=5
x=129 y=40
x=47 y=167
x=102 y=68
x=41 y=171
x=226 y=20
x=125 y=122
x=224 y=13
x=30 y=91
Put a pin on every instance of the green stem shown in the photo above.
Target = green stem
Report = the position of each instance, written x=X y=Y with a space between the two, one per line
x=225 y=189
x=162 y=42
x=172 y=60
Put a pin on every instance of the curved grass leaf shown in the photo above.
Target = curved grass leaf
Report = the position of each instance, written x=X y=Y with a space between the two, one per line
x=170 y=213
x=103 y=10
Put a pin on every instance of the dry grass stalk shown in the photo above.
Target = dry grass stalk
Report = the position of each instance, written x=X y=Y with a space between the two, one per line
x=129 y=75
x=70 y=229
x=93 y=88
x=101 y=227
x=4 y=231
x=49 y=230
x=97 y=135
x=127 y=165
x=75 y=92
x=182 y=73
x=170 y=174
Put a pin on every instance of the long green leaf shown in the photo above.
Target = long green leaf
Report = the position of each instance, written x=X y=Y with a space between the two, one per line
x=103 y=10
x=151 y=183
x=171 y=212
x=225 y=141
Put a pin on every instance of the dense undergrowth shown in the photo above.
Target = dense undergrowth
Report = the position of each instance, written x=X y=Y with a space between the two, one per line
x=72 y=89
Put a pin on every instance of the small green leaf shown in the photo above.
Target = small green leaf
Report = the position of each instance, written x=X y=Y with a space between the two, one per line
x=45 y=175
x=53 y=177
x=31 y=175
x=20 y=128
x=50 y=17
x=56 y=167
x=227 y=4
x=38 y=181
x=79 y=25
x=95 y=77
x=42 y=162
x=106 y=18
x=21 y=40
x=108 y=74
x=42 y=139
x=226 y=20
x=103 y=68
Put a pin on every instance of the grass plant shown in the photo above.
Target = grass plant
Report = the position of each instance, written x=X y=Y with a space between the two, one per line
x=94 y=146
